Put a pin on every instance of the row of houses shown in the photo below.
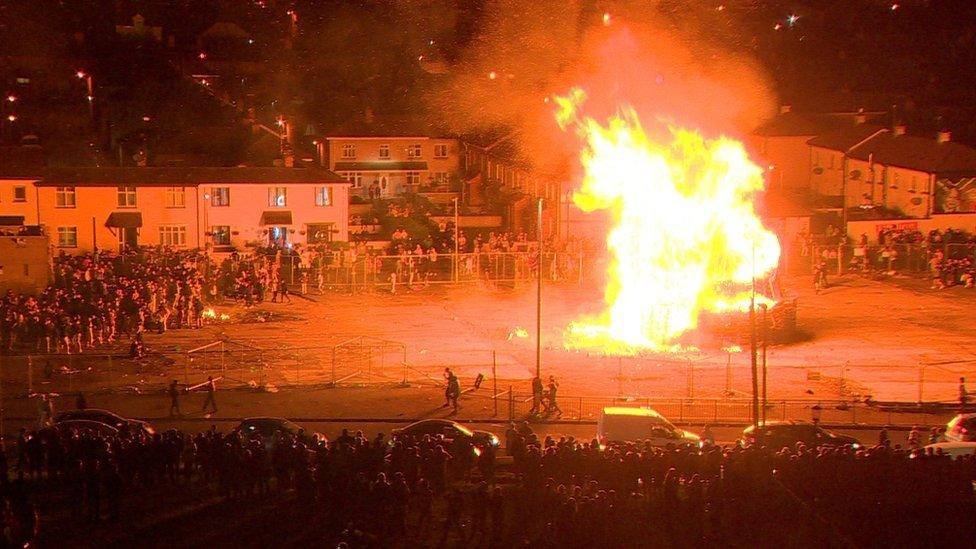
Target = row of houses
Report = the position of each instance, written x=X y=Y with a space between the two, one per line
x=854 y=172
x=222 y=209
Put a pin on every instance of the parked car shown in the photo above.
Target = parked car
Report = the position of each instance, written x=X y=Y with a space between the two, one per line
x=108 y=418
x=961 y=428
x=79 y=426
x=450 y=430
x=953 y=449
x=780 y=434
x=627 y=424
x=269 y=427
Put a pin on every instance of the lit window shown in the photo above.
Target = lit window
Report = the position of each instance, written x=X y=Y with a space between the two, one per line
x=175 y=197
x=319 y=232
x=20 y=194
x=172 y=235
x=440 y=151
x=349 y=151
x=64 y=197
x=67 y=237
x=127 y=197
x=220 y=235
x=220 y=196
x=277 y=197
x=384 y=151
x=323 y=196
x=356 y=178
x=414 y=151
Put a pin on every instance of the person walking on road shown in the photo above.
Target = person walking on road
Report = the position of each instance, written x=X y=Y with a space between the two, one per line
x=552 y=405
x=174 y=399
x=537 y=390
x=963 y=394
x=211 y=389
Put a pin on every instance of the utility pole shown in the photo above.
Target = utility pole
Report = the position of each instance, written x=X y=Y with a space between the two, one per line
x=538 y=297
x=456 y=244
x=765 y=336
x=752 y=346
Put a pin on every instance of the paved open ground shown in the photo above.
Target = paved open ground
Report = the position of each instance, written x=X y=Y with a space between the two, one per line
x=895 y=340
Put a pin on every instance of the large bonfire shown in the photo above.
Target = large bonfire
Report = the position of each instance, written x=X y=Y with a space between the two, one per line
x=685 y=237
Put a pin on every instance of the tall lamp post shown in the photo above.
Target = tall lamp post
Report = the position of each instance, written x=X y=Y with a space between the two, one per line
x=457 y=247
x=82 y=75
x=538 y=297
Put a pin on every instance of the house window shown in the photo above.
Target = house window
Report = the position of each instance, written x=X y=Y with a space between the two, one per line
x=20 y=194
x=356 y=178
x=816 y=159
x=914 y=184
x=277 y=197
x=323 y=196
x=175 y=197
x=349 y=150
x=440 y=151
x=384 y=151
x=319 y=232
x=220 y=235
x=127 y=197
x=413 y=178
x=64 y=197
x=172 y=235
x=894 y=180
x=67 y=237
x=413 y=151
x=438 y=178
x=220 y=197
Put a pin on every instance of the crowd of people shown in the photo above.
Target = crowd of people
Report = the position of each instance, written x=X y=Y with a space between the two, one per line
x=96 y=299
x=554 y=492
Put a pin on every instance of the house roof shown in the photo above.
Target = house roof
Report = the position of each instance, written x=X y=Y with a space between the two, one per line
x=387 y=127
x=797 y=124
x=185 y=177
x=845 y=138
x=20 y=162
x=380 y=166
x=918 y=153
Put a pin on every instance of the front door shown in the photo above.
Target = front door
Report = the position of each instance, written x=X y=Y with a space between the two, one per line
x=128 y=238
x=385 y=189
x=278 y=237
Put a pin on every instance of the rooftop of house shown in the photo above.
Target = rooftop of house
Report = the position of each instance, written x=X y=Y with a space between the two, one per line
x=183 y=176
x=387 y=126
x=918 y=153
x=21 y=162
x=798 y=124
x=843 y=139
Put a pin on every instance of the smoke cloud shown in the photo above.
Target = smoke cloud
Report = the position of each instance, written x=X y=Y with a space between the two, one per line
x=666 y=64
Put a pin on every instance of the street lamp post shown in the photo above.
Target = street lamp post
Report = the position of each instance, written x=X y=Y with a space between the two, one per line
x=82 y=75
x=538 y=297
x=457 y=247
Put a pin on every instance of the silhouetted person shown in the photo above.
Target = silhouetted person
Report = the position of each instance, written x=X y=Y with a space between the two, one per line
x=174 y=399
x=211 y=389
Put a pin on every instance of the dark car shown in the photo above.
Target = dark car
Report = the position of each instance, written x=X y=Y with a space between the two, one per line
x=77 y=426
x=781 y=434
x=108 y=418
x=269 y=428
x=450 y=430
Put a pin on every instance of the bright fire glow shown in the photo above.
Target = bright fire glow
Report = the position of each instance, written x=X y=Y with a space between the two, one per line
x=685 y=237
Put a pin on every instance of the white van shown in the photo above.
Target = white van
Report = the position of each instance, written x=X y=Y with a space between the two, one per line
x=622 y=424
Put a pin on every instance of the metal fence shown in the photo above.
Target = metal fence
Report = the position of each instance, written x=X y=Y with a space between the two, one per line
x=902 y=258
x=343 y=270
x=725 y=410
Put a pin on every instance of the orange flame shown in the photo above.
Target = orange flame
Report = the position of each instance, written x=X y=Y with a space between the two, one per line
x=685 y=236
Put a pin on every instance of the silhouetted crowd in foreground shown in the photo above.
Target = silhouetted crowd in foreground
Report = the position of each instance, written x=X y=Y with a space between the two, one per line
x=553 y=493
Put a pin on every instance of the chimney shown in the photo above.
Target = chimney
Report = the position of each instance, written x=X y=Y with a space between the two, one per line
x=321 y=150
x=368 y=115
x=784 y=109
x=944 y=136
x=899 y=129
x=860 y=117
